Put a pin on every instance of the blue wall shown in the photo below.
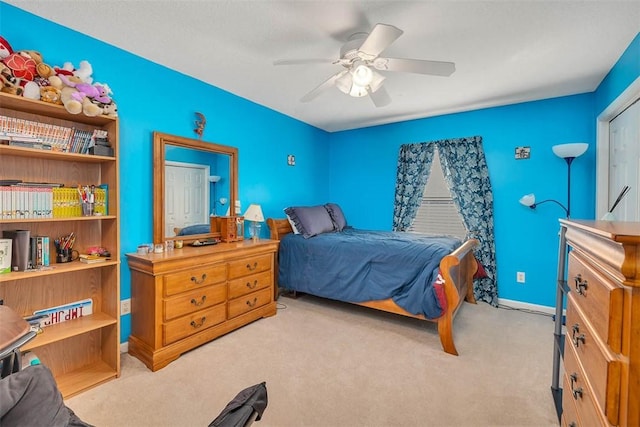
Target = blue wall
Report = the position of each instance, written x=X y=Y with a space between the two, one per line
x=625 y=72
x=363 y=166
x=354 y=168
x=148 y=100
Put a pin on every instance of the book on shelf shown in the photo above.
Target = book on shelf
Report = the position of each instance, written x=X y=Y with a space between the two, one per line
x=92 y=259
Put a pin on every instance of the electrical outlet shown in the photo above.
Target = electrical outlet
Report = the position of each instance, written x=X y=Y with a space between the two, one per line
x=520 y=277
x=125 y=306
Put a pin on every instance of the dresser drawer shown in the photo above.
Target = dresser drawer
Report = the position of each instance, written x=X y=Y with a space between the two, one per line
x=599 y=298
x=596 y=359
x=196 y=277
x=251 y=265
x=248 y=284
x=569 y=409
x=249 y=302
x=196 y=322
x=578 y=405
x=187 y=303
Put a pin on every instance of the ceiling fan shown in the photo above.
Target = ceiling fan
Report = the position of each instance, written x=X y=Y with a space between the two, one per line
x=360 y=58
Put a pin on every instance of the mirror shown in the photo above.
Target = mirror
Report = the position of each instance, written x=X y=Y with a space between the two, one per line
x=191 y=178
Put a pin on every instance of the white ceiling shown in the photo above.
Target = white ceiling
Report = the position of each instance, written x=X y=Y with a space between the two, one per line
x=505 y=51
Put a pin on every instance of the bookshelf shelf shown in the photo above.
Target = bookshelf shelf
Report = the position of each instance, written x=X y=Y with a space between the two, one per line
x=84 y=352
x=67 y=219
x=53 y=155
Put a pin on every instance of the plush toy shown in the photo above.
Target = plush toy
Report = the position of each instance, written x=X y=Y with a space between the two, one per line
x=84 y=72
x=43 y=69
x=69 y=97
x=5 y=48
x=50 y=94
x=22 y=66
x=9 y=83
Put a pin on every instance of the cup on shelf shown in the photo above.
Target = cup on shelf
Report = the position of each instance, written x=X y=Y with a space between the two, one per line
x=66 y=255
x=87 y=208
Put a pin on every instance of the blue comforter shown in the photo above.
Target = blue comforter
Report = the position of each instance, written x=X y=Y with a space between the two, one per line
x=360 y=265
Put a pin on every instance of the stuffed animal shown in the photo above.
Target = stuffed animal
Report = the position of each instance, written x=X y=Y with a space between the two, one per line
x=74 y=101
x=50 y=94
x=84 y=72
x=5 y=48
x=22 y=66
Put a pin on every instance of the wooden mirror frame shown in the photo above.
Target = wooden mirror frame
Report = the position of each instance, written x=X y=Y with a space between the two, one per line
x=160 y=141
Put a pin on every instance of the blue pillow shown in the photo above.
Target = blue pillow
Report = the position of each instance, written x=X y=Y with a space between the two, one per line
x=310 y=221
x=337 y=216
x=195 y=229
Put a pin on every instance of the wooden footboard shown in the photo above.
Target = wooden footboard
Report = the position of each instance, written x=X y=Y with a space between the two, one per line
x=457 y=269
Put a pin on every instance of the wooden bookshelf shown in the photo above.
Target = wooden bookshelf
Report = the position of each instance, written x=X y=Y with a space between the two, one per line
x=82 y=352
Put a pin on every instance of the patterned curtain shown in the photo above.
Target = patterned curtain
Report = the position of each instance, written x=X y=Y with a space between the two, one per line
x=414 y=166
x=466 y=173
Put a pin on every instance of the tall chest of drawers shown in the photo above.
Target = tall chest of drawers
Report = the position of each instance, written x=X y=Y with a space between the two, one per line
x=601 y=380
x=186 y=297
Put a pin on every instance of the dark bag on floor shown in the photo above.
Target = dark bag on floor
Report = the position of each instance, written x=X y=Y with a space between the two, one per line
x=245 y=408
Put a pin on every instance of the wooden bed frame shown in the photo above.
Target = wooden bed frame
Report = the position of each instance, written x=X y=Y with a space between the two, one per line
x=457 y=268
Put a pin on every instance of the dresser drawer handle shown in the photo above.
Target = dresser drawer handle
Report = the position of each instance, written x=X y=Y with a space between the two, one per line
x=577 y=338
x=252 y=304
x=577 y=392
x=573 y=424
x=252 y=286
x=581 y=285
x=198 y=303
x=197 y=325
x=255 y=265
x=195 y=280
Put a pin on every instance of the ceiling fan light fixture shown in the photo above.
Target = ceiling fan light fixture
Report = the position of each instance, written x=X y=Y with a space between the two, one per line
x=344 y=83
x=358 y=91
x=362 y=75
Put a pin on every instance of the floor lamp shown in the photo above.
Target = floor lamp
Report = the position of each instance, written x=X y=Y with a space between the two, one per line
x=568 y=152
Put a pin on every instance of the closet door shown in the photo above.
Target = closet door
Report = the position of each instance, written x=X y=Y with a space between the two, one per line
x=624 y=162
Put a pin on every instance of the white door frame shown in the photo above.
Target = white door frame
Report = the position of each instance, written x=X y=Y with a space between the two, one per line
x=624 y=100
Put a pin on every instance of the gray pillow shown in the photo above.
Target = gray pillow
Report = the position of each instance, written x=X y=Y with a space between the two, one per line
x=337 y=216
x=195 y=229
x=310 y=220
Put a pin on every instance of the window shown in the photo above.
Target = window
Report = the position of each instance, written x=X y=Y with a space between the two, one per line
x=437 y=213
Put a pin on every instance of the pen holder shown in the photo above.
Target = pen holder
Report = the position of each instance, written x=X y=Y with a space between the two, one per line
x=87 y=208
x=66 y=255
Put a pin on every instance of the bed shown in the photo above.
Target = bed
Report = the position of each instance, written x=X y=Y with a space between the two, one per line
x=318 y=256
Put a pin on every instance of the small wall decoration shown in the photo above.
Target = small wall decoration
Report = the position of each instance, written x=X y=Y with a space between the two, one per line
x=200 y=124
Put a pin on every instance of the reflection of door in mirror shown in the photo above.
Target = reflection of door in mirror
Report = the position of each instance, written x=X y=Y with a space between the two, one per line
x=186 y=195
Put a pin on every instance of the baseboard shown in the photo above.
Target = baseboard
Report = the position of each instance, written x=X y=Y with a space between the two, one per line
x=526 y=306
x=124 y=347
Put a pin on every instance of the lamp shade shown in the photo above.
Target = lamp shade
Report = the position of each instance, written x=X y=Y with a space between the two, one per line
x=573 y=150
x=528 y=200
x=254 y=213
x=214 y=178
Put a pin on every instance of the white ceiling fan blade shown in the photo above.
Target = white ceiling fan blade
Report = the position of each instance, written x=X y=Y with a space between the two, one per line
x=378 y=40
x=380 y=97
x=420 y=66
x=322 y=87
x=303 y=61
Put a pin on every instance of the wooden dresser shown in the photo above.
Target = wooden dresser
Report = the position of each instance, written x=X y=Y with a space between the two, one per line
x=601 y=383
x=186 y=297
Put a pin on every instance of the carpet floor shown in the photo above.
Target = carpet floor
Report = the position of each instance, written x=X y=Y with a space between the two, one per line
x=333 y=364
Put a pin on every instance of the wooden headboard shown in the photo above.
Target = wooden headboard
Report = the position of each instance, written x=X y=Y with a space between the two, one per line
x=278 y=227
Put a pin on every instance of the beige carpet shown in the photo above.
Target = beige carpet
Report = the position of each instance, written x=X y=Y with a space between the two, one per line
x=332 y=364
